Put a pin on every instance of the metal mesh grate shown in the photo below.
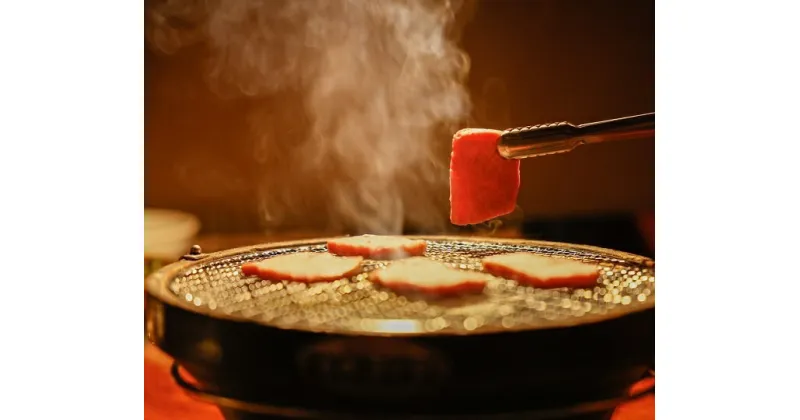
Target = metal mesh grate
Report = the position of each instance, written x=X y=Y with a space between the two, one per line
x=355 y=304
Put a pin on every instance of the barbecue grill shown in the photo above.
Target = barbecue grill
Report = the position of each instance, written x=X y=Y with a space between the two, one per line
x=352 y=349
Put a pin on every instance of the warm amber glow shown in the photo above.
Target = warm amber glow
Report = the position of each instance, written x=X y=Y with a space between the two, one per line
x=395 y=326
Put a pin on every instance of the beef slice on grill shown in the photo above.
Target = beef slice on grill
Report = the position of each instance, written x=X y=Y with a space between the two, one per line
x=377 y=247
x=421 y=275
x=541 y=271
x=307 y=267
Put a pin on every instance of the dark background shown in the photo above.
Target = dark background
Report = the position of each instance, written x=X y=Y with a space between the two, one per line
x=532 y=62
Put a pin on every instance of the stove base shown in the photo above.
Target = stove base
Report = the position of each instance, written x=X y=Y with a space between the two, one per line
x=230 y=414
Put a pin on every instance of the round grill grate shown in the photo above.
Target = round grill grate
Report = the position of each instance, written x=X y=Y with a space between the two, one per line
x=217 y=285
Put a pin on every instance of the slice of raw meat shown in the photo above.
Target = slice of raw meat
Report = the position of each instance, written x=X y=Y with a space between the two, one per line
x=419 y=274
x=541 y=271
x=307 y=267
x=377 y=247
x=483 y=185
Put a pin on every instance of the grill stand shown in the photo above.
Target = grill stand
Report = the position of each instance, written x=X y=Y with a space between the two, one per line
x=233 y=409
x=229 y=414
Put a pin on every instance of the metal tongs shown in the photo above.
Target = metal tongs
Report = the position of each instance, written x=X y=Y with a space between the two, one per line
x=548 y=139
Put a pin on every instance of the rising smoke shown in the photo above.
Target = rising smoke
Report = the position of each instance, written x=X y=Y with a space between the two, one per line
x=381 y=86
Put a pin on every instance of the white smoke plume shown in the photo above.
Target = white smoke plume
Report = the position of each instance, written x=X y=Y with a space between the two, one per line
x=380 y=86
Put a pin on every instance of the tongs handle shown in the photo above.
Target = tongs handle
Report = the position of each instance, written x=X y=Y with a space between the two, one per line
x=547 y=139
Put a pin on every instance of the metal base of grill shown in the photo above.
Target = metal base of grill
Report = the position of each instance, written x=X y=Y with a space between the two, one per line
x=486 y=409
x=230 y=414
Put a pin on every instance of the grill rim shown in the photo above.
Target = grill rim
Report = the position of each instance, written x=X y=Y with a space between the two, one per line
x=157 y=286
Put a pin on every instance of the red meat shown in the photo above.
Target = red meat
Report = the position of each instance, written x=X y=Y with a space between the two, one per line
x=541 y=271
x=483 y=185
x=307 y=267
x=377 y=247
x=421 y=275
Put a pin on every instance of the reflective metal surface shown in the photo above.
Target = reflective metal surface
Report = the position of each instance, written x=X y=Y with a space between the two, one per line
x=214 y=285
x=561 y=137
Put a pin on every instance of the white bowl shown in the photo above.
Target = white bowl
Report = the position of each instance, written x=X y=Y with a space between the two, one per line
x=168 y=234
